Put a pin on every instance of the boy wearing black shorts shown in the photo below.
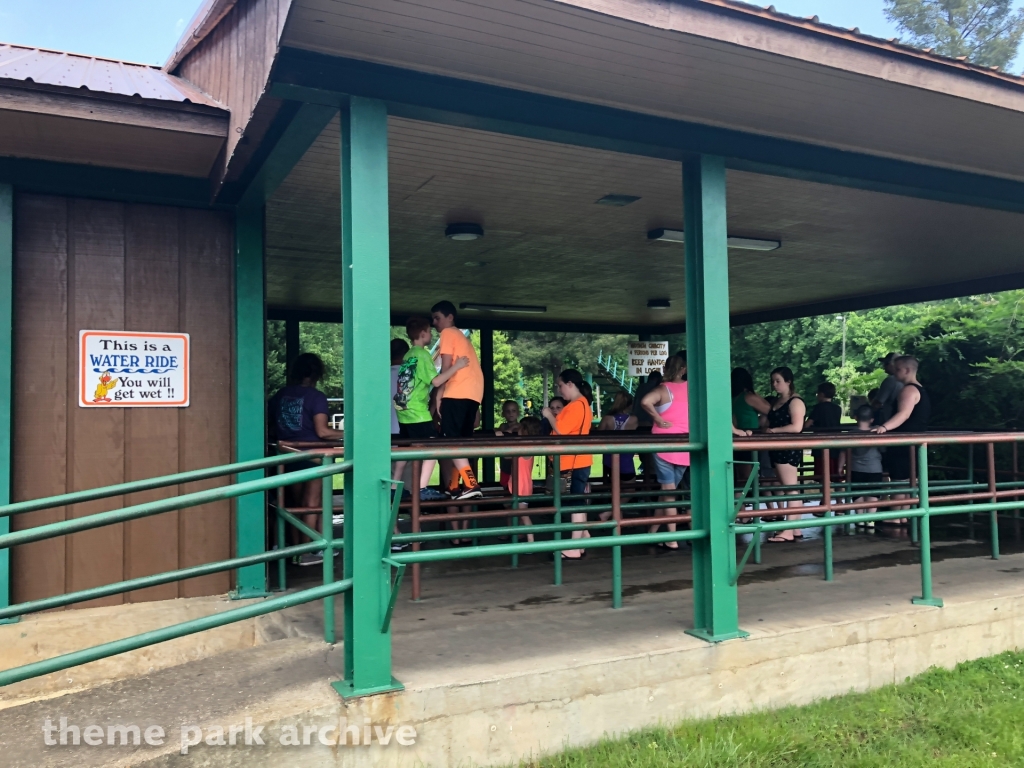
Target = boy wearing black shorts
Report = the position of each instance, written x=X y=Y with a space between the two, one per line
x=416 y=376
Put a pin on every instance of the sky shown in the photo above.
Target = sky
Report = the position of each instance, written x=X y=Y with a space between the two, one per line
x=146 y=30
x=143 y=31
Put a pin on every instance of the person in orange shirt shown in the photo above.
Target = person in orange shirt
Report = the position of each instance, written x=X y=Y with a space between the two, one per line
x=459 y=397
x=574 y=419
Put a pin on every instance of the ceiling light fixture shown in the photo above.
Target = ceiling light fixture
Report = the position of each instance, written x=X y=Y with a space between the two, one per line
x=742 y=243
x=510 y=308
x=617 y=201
x=659 y=303
x=464 y=231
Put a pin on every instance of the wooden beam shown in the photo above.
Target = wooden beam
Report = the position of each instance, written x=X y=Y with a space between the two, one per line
x=294 y=129
x=181 y=118
x=47 y=177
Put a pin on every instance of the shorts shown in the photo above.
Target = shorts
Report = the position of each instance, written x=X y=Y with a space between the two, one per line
x=833 y=461
x=671 y=474
x=578 y=484
x=458 y=417
x=794 y=458
x=896 y=460
x=296 y=466
x=867 y=477
x=420 y=430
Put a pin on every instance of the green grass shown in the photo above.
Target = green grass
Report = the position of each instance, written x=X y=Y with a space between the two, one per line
x=972 y=717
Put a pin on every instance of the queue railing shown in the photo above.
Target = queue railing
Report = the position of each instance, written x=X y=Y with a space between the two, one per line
x=837 y=502
x=325 y=542
x=553 y=503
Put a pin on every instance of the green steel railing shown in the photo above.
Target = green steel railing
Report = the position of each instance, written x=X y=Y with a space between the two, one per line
x=325 y=542
x=561 y=504
x=841 y=503
x=617 y=374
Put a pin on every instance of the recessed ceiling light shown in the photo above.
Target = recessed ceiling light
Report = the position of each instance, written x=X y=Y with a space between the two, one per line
x=464 y=231
x=742 y=243
x=617 y=201
x=510 y=308
x=659 y=303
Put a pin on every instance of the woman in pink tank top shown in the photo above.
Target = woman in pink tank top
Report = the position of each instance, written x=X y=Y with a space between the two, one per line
x=669 y=408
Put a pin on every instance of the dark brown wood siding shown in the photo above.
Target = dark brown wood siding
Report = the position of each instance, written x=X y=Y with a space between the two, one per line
x=232 y=64
x=86 y=264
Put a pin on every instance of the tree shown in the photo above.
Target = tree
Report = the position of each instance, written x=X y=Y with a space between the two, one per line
x=986 y=32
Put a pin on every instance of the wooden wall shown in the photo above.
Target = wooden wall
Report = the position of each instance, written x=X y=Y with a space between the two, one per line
x=87 y=264
x=232 y=64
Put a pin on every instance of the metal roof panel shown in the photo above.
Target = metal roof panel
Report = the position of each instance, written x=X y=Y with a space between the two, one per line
x=92 y=73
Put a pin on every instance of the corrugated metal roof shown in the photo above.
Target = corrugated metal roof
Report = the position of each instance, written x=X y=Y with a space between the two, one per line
x=853 y=34
x=72 y=70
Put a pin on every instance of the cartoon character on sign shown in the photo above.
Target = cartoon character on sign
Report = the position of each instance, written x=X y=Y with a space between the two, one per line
x=107 y=383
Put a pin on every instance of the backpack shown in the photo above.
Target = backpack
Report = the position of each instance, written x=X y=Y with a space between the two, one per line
x=406 y=384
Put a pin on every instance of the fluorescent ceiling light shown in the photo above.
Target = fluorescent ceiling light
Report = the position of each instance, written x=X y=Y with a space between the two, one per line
x=617 y=201
x=510 y=308
x=464 y=231
x=743 y=243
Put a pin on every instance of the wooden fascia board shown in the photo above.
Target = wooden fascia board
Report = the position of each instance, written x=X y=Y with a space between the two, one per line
x=81 y=107
x=857 y=55
x=74 y=180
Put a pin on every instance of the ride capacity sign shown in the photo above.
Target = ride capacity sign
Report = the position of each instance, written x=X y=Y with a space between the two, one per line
x=126 y=369
x=646 y=357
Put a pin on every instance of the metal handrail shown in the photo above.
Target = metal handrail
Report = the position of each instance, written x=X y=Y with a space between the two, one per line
x=327 y=591
x=105 y=650
x=149 y=508
x=135 y=486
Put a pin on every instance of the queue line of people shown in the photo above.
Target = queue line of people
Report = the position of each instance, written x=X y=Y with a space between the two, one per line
x=431 y=403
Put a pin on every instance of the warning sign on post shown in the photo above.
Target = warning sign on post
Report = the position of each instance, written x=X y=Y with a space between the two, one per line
x=646 y=357
x=127 y=369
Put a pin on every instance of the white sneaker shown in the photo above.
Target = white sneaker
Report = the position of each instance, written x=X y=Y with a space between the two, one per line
x=338 y=519
x=311 y=558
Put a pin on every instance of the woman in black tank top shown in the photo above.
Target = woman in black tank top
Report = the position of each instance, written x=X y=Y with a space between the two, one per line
x=913 y=410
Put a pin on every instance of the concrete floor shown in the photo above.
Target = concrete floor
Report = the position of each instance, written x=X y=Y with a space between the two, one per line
x=499 y=664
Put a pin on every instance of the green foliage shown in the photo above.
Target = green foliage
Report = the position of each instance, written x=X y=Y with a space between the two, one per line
x=551 y=351
x=327 y=341
x=964 y=718
x=277 y=373
x=508 y=371
x=970 y=351
x=987 y=32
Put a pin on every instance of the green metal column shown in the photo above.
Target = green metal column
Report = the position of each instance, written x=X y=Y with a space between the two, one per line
x=250 y=405
x=6 y=372
x=366 y=315
x=716 y=613
x=487 y=406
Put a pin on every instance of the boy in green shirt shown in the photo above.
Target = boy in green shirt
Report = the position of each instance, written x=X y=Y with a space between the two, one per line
x=416 y=378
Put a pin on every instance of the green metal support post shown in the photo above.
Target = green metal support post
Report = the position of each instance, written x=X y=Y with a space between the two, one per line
x=926 y=598
x=716 y=609
x=365 y=254
x=6 y=373
x=487 y=406
x=250 y=407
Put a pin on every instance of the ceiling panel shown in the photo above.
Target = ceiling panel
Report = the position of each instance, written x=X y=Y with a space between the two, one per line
x=547 y=241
